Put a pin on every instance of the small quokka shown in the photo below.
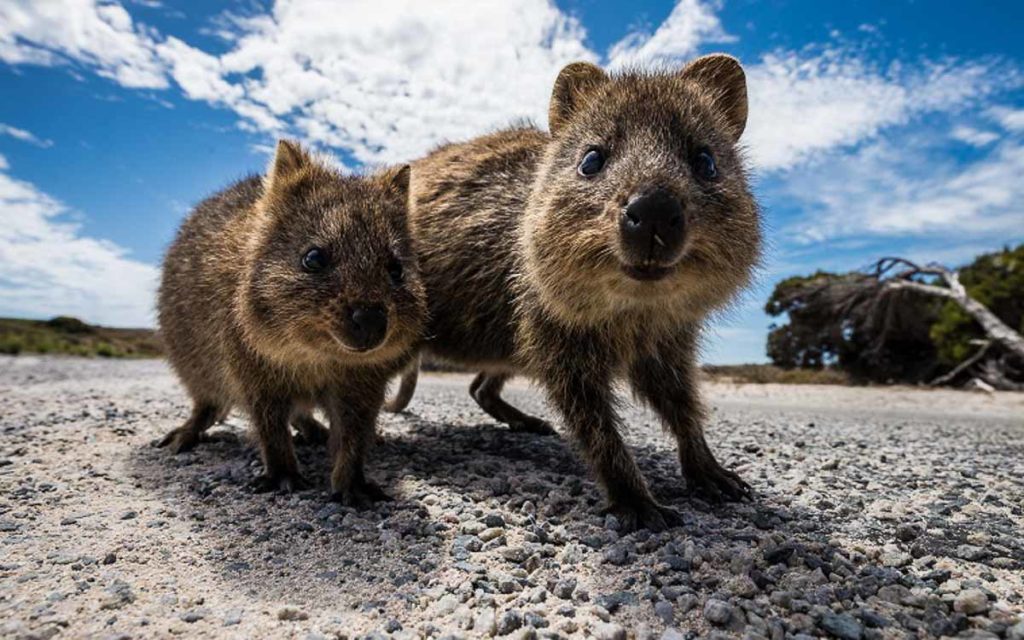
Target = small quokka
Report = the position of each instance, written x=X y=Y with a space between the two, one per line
x=592 y=252
x=292 y=291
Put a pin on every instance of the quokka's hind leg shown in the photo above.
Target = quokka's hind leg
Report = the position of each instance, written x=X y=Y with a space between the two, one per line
x=486 y=390
x=406 y=388
x=310 y=430
x=188 y=435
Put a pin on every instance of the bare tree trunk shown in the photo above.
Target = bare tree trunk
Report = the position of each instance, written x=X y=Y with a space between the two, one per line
x=995 y=328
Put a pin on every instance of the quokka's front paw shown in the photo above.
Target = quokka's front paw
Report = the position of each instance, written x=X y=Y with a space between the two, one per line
x=180 y=440
x=644 y=514
x=360 y=495
x=705 y=476
x=282 y=482
x=532 y=425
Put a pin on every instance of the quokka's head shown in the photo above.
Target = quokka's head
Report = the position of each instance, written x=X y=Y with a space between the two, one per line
x=642 y=196
x=332 y=272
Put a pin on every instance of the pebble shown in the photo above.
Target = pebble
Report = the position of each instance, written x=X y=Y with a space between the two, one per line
x=717 y=611
x=609 y=631
x=842 y=626
x=971 y=602
x=291 y=614
x=509 y=622
x=665 y=611
x=564 y=588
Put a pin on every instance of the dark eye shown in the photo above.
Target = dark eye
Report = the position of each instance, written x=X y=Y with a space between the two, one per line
x=591 y=164
x=395 y=272
x=705 y=166
x=314 y=260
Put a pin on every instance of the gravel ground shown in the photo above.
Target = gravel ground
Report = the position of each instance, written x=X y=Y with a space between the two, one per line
x=880 y=513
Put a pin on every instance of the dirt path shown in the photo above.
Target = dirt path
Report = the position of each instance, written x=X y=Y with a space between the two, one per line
x=880 y=513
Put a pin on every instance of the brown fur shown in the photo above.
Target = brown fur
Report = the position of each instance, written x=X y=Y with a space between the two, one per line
x=525 y=273
x=245 y=325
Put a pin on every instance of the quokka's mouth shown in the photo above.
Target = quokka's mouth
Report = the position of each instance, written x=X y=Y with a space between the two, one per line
x=647 y=272
x=362 y=351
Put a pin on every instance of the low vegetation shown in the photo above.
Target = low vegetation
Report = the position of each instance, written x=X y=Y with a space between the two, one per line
x=65 y=335
x=771 y=374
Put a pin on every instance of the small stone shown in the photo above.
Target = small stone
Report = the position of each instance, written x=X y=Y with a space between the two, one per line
x=494 y=520
x=291 y=614
x=842 y=626
x=129 y=515
x=564 y=588
x=664 y=610
x=613 y=601
x=907 y=532
x=971 y=552
x=609 y=631
x=971 y=602
x=485 y=622
x=232 y=618
x=446 y=605
x=392 y=625
x=509 y=622
x=1016 y=632
x=672 y=633
x=611 y=522
x=490 y=534
x=110 y=558
x=195 y=615
x=535 y=620
x=617 y=555
x=717 y=611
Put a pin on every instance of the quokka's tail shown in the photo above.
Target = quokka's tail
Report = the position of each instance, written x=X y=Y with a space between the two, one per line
x=406 y=388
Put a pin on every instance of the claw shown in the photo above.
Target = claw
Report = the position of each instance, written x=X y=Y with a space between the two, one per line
x=647 y=514
x=361 y=495
x=533 y=425
x=283 y=482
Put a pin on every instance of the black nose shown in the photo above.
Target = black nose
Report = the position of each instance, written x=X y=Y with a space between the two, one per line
x=653 y=227
x=366 y=326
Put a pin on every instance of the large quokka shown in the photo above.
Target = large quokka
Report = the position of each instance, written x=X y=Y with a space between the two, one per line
x=293 y=291
x=592 y=252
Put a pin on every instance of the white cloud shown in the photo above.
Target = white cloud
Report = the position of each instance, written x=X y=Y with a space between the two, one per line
x=801 y=105
x=691 y=24
x=48 y=267
x=972 y=136
x=904 y=186
x=94 y=33
x=24 y=136
x=1009 y=118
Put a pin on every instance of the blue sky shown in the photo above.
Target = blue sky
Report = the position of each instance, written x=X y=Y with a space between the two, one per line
x=875 y=127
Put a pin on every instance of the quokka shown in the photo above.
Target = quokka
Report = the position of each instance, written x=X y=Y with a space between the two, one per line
x=592 y=252
x=292 y=291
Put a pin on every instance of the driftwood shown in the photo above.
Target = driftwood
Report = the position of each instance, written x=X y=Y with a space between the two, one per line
x=899 y=274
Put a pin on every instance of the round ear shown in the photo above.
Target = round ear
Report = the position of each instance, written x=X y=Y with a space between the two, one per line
x=289 y=159
x=397 y=178
x=722 y=78
x=574 y=82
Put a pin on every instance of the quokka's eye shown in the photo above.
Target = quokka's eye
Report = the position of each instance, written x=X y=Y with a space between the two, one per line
x=591 y=164
x=395 y=272
x=704 y=165
x=314 y=260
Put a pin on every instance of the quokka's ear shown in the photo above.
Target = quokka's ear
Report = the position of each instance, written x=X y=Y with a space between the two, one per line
x=574 y=82
x=397 y=179
x=722 y=77
x=289 y=160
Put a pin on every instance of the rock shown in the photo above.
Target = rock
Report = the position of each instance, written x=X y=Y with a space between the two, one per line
x=446 y=605
x=842 y=626
x=392 y=625
x=119 y=593
x=971 y=552
x=609 y=631
x=564 y=588
x=617 y=555
x=672 y=633
x=195 y=615
x=232 y=618
x=613 y=601
x=907 y=532
x=535 y=620
x=110 y=558
x=509 y=622
x=490 y=534
x=664 y=610
x=717 y=611
x=291 y=614
x=971 y=602
x=485 y=622
x=494 y=520
x=1016 y=632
